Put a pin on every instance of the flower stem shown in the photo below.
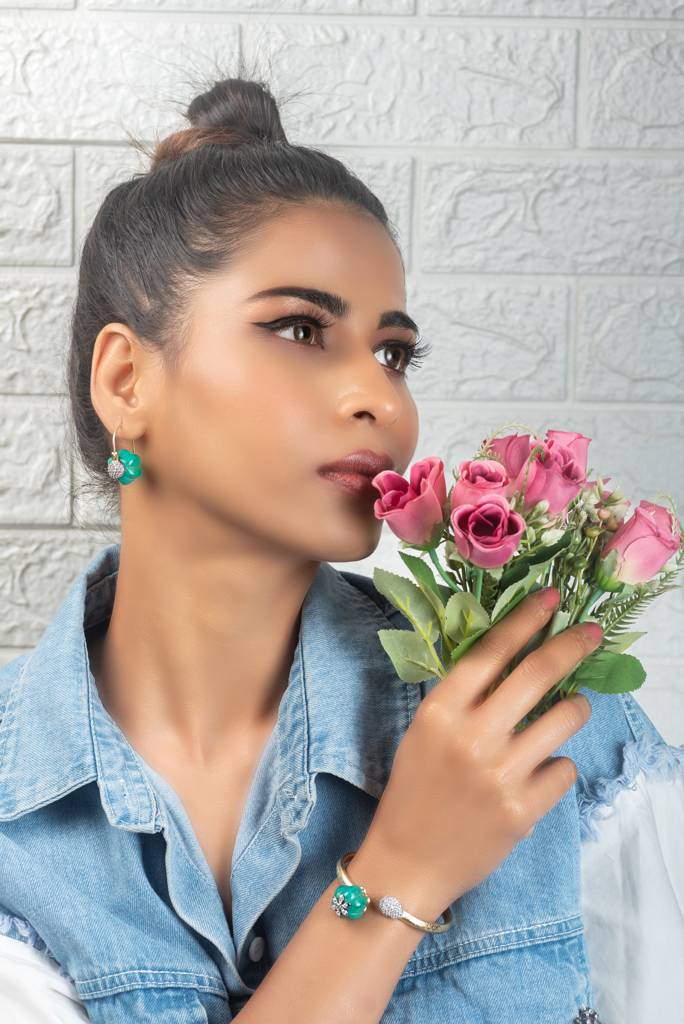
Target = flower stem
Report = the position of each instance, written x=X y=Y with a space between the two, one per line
x=441 y=669
x=440 y=570
x=593 y=597
x=479 y=573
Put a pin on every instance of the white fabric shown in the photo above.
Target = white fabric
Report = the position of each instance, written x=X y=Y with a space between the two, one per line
x=632 y=902
x=31 y=989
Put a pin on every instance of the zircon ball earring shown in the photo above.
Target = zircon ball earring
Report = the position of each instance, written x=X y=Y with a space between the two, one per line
x=123 y=465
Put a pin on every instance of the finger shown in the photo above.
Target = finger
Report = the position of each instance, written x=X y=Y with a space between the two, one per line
x=468 y=682
x=549 y=784
x=536 y=674
x=529 y=749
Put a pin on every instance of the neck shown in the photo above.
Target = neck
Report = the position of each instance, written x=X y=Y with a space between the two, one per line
x=201 y=639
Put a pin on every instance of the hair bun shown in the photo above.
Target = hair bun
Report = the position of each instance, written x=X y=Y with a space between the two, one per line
x=235 y=111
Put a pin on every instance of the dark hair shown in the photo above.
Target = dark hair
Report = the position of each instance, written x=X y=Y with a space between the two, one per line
x=209 y=190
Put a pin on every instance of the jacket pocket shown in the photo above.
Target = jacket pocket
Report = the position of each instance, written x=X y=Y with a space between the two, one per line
x=155 y=1003
x=524 y=978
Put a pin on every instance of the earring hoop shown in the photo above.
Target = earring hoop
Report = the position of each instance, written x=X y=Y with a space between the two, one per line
x=123 y=465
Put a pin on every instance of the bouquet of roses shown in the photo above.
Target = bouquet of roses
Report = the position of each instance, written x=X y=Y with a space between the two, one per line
x=522 y=515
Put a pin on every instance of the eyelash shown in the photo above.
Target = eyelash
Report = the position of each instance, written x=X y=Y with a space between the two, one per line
x=415 y=353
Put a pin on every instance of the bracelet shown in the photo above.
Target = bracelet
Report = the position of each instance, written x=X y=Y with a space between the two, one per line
x=352 y=901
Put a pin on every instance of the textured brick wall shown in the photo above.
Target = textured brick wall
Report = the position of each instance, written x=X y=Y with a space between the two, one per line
x=531 y=153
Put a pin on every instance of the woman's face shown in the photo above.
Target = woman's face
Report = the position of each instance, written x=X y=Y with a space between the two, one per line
x=240 y=427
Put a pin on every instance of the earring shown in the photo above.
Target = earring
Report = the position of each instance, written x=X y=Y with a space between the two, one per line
x=123 y=465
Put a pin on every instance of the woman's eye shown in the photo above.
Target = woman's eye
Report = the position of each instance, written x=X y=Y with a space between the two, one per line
x=302 y=331
x=306 y=329
x=404 y=356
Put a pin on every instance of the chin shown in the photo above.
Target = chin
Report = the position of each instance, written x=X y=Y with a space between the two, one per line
x=351 y=545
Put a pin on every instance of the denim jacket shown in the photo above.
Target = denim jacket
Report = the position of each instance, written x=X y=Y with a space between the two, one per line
x=102 y=870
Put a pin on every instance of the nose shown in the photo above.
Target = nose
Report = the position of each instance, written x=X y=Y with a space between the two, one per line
x=381 y=403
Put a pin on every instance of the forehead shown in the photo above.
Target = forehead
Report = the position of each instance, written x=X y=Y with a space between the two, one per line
x=322 y=246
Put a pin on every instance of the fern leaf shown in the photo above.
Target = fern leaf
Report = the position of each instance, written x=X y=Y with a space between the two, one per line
x=620 y=616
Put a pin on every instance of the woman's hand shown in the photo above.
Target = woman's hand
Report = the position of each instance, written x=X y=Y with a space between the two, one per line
x=464 y=787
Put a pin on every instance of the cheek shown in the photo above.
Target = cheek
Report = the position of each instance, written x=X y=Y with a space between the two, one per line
x=252 y=412
x=410 y=427
x=284 y=423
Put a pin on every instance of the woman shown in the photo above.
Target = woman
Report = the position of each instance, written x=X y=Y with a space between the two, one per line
x=209 y=722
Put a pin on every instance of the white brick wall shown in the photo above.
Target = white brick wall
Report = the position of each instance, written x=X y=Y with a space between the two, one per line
x=530 y=152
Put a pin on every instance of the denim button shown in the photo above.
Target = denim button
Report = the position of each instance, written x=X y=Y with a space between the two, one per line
x=256 y=948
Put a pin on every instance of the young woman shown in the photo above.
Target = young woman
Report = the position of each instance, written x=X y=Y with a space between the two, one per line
x=208 y=724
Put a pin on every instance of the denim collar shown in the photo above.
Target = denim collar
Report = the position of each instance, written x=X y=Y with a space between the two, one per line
x=344 y=710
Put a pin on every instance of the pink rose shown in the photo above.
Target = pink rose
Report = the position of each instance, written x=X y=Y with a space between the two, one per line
x=512 y=451
x=487 y=533
x=578 y=444
x=413 y=511
x=477 y=478
x=556 y=473
x=643 y=543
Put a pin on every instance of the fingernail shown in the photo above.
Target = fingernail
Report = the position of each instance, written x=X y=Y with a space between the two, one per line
x=579 y=698
x=549 y=597
x=592 y=631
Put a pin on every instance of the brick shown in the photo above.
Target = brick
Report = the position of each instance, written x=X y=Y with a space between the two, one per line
x=472 y=86
x=594 y=216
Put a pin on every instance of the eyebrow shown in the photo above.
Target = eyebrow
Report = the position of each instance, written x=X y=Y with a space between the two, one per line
x=335 y=305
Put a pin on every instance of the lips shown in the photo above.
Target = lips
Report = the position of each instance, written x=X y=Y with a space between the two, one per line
x=364 y=461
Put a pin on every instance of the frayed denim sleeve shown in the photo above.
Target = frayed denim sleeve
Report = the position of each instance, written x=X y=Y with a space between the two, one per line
x=641 y=747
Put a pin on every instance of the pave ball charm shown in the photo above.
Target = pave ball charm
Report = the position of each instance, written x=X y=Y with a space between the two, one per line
x=350 y=901
x=115 y=467
x=390 y=906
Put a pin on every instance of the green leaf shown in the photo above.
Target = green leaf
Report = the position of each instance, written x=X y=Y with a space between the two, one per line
x=490 y=589
x=518 y=569
x=515 y=572
x=559 y=621
x=436 y=594
x=453 y=555
x=623 y=612
x=609 y=672
x=622 y=641
x=409 y=599
x=464 y=615
x=513 y=594
x=465 y=645
x=410 y=655
x=549 y=551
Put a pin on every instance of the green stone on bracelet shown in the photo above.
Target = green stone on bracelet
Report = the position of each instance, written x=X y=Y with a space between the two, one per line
x=349 y=901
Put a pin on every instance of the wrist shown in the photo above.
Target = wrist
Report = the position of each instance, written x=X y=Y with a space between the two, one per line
x=382 y=873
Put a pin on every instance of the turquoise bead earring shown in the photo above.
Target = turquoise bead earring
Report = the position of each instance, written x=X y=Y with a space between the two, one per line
x=123 y=465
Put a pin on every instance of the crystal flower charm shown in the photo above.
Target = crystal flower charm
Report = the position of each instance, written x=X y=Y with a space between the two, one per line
x=587 y=1016
x=339 y=905
x=350 y=901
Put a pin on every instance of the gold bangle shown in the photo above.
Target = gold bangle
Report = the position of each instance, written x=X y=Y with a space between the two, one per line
x=389 y=906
